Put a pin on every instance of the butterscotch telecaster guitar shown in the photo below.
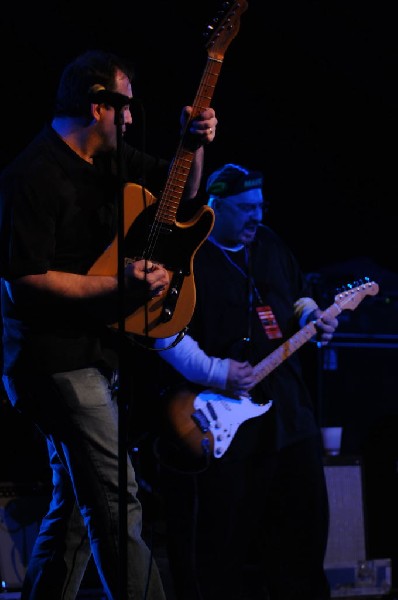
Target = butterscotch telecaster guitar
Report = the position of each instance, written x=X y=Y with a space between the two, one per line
x=151 y=230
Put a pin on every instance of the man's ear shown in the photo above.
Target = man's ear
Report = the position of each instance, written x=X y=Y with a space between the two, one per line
x=95 y=99
x=96 y=110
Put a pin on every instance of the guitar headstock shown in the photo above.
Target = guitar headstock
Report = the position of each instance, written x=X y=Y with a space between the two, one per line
x=352 y=294
x=223 y=28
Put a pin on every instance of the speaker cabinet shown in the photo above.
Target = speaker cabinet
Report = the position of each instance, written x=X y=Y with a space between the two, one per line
x=21 y=510
x=347 y=540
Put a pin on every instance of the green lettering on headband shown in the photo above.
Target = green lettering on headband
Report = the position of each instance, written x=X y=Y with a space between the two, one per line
x=253 y=183
x=218 y=188
x=232 y=180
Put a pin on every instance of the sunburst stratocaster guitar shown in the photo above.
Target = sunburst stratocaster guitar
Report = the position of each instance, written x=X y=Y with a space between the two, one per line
x=151 y=230
x=206 y=422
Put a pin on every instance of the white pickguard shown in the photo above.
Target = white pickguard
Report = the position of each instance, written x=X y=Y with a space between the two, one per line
x=225 y=414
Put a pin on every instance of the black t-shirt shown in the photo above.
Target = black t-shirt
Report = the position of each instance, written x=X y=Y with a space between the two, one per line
x=59 y=213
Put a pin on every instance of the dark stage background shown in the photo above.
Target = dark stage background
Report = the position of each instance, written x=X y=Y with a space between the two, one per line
x=307 y=94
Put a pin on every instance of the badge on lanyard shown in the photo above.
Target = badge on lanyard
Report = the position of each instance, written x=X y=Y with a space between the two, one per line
x=269 y=322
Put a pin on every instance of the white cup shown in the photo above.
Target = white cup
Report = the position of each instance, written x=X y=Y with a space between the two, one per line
x=331 y=437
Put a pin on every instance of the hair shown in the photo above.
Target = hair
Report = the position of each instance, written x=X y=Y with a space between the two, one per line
x=79 y=76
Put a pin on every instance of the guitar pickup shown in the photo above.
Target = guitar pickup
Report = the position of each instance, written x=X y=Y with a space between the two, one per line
x=201 y=420
x=172 y=296
x=211 y=410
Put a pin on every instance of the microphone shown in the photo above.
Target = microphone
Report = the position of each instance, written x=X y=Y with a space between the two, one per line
x=100 y=95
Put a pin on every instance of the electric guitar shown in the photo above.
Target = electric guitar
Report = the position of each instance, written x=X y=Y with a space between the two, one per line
x=151 y=230
x=206 y=422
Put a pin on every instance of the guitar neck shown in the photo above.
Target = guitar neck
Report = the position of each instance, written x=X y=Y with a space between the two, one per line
x=273 y=360
x=348 y=299
x=182 y=162
x=207 y=85
x=220 y=33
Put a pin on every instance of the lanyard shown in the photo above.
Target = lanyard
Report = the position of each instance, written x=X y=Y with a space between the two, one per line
x=251 y=287
x=264 y=312
x=248 y=262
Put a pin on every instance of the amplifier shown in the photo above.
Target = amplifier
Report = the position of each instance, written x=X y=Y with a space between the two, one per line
x=347 y=566
x=346 y=542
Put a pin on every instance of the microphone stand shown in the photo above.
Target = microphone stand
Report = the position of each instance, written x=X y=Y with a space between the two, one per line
x=122 y=398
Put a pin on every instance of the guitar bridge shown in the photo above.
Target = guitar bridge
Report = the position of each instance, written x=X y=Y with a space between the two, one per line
x=201 y=420
x=172 y=295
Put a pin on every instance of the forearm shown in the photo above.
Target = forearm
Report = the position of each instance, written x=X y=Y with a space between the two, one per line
x=303 y=309
x=193 y=363
x=96 y=295
x=55 y=285
x=197 y=133
x=306 y=310
x=195 y=175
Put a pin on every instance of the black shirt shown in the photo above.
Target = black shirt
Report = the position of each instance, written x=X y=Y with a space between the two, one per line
x=59 y=212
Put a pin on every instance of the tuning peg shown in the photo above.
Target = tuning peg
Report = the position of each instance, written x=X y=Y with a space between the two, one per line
x=354 y=284
x=216 y=20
